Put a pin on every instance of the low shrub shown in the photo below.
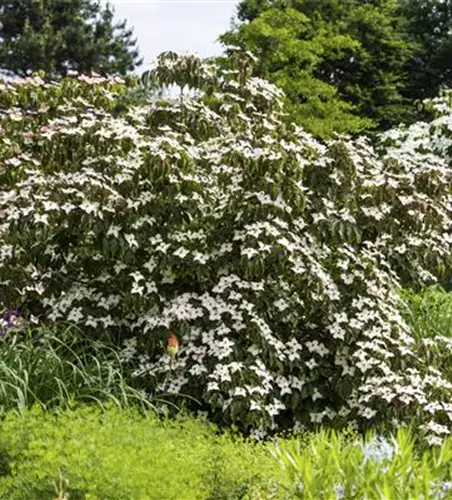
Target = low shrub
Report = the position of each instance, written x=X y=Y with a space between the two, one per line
x=121 y=454
x=59 y=367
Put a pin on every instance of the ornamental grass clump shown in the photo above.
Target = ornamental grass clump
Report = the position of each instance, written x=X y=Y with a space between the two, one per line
x=332 y=465
x=274 y=259
x=60 y=368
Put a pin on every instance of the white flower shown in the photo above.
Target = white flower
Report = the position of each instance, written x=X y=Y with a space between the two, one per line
x=249 y=252
x=90 y=321
x=281 y=304
x=113 y=230
x=254 y=350
x=136 y=289
x=68 y=207
x=181 y=252
x=312 y=363
x=120 y=266
x=221 y=349
x=137 y=276
x=434 y=440
x=368 y=413
x=50 y=205
x=197 y=369
x=317 y=395
x=75 y=315
x=89 y=207
x=131 y=241
x=255 y=406
x=437 y=428
x=238 y=391
x=41 y=219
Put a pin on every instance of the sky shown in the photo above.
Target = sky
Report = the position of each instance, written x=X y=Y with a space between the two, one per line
x=178 y=25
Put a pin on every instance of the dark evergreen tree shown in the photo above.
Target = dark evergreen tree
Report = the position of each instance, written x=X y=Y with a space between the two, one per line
x=430 y=23
x=61 y=35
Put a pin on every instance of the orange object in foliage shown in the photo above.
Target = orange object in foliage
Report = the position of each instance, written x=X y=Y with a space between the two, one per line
x=173 y=344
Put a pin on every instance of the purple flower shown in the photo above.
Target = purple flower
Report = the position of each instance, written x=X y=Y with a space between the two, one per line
x=10 y=319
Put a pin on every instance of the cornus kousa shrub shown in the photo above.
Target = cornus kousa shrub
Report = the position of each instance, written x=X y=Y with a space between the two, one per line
x=205 y=222
x=429 y=140
x=427 y=145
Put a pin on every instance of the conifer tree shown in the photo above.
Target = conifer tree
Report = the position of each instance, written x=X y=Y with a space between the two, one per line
x=62 y=35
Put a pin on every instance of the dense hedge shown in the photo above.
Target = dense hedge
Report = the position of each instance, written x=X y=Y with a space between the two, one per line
x=274 y=258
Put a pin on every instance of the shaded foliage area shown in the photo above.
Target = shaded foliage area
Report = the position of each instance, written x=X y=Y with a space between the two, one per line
x=430 y=24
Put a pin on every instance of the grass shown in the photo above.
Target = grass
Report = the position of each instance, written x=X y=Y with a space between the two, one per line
x=429 y=312
x=59 y=367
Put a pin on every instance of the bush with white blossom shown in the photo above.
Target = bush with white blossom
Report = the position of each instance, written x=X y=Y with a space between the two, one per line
x=273 y=258
x=430 y=140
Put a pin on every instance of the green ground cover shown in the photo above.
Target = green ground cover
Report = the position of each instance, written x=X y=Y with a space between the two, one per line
x=90 y=453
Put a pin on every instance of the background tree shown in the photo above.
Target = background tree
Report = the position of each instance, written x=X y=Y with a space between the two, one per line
x=342 y=63
x=61 y=35
x=430 y=23
x=290 y=51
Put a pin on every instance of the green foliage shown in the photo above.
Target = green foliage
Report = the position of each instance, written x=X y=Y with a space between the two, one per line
x=120 y=454
x=335 y=466
x=272 y=258
x=61 y=367
x=58 y=36
x=429 y=23
x=290 y=51
x=141 y=89
x=428 y=312
x=116 y=454
x=341 y=63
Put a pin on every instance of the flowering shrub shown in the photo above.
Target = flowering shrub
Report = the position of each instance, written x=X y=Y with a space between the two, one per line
x=427 y=141
x=272 y=258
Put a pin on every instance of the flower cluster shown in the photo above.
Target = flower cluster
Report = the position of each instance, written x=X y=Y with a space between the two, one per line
x=11 y=320
x=280 y=256
x=379 y=450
